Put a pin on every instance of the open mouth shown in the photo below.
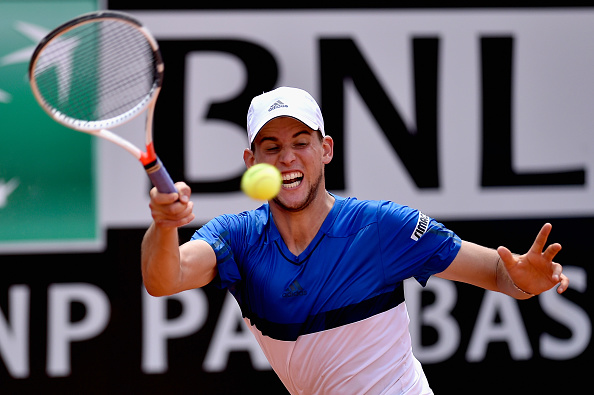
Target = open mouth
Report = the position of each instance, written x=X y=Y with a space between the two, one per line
x=292 y=180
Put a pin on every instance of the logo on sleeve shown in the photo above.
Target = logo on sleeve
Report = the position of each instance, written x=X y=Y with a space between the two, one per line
x=421 y=228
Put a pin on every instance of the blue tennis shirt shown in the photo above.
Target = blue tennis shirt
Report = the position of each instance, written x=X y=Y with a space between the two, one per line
x=353 y=269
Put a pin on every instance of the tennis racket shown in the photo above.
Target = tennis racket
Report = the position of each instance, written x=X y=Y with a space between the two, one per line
x=98 y=71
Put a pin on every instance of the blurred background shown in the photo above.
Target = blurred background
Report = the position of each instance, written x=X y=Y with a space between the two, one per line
x=477 y=114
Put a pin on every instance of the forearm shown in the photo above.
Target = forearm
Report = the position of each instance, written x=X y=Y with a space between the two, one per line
x=482 y=267
x=167 y=267
x=160 y=260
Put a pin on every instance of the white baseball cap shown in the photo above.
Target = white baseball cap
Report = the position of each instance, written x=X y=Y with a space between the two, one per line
x=283 y=102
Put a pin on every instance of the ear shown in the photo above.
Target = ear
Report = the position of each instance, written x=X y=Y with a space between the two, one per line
x=248 y=158
x=328 y=149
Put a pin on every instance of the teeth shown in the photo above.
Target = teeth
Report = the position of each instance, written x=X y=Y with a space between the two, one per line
x=294 y=179
x=292 y=185
x=292 y=175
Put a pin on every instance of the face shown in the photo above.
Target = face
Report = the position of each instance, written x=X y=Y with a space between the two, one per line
x=299 y=154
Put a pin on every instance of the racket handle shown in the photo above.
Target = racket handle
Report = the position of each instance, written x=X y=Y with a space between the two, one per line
x=159 y=177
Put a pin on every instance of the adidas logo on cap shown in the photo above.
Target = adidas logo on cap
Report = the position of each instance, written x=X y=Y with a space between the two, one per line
x=277 y=104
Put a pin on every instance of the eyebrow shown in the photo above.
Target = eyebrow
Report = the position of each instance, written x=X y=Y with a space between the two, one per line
x=274 y=138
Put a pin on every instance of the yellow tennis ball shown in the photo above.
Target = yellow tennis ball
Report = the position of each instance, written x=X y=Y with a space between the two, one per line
x=261 y=182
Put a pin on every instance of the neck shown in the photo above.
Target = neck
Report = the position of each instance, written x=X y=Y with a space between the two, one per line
x=298 y=228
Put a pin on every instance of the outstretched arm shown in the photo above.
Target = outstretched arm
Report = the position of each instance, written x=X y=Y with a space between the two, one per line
x=167 y=267
x=519 y=276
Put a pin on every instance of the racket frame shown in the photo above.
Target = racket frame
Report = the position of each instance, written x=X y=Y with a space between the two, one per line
x=152 y=164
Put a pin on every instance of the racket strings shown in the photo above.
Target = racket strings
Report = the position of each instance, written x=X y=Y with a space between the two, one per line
x=97 y=71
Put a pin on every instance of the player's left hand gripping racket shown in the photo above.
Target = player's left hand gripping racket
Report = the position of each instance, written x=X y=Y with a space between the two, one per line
x=98 y=71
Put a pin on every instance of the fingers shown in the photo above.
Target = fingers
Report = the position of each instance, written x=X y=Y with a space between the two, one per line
x=541 y=238
x=184 y=192
x=549 y=254
x=556 y=272
x=536 y=270
x=172 y=209
x=506 y=255
x=551 y=251
x=563 y=285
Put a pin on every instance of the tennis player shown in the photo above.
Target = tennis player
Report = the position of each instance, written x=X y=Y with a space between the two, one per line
x=318 y=276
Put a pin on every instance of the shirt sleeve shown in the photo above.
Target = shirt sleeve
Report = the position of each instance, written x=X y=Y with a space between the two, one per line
x=413 y=244
x=219 y=232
